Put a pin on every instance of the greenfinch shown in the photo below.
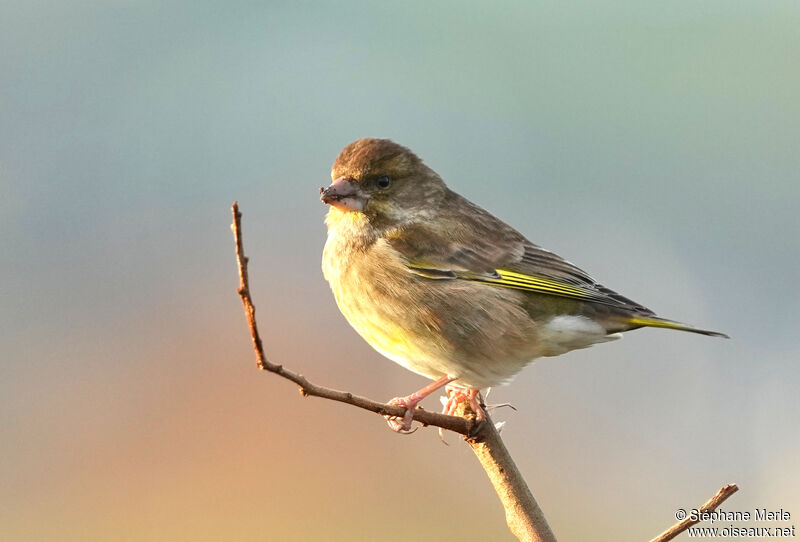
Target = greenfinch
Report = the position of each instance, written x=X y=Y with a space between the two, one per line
x=444 y=288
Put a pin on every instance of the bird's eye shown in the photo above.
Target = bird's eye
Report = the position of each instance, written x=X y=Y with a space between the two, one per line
x=383 y=182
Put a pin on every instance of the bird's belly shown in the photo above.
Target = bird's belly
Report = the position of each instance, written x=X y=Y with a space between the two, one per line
x=480 y=335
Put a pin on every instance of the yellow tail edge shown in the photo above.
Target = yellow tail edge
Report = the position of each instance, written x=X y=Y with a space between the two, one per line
x=652 y=321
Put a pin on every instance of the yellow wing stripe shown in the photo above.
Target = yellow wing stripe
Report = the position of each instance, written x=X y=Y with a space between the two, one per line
x=520 y=281
x=538 y=283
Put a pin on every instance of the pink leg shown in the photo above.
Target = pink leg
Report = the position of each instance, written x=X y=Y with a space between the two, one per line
x=410 y=402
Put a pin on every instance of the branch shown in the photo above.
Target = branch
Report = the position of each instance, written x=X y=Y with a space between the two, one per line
x=523 y=515
x=709 y=506
x=456 y=424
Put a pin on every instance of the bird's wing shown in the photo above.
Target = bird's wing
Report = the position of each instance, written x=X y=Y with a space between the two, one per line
x=468 y=243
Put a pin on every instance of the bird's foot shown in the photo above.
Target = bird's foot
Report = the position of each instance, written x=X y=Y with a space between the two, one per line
x=410 y=402
x=456 y=396
x=402 y=425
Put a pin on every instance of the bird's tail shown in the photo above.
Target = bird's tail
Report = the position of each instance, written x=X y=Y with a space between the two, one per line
x=655 y=321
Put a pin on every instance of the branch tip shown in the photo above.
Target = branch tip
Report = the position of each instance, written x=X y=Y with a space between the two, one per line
x=709 y=506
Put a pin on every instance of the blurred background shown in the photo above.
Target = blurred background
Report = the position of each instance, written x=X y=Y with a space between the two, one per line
x=655 y=145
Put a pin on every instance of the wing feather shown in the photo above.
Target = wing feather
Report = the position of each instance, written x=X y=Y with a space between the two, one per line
x=471 y=244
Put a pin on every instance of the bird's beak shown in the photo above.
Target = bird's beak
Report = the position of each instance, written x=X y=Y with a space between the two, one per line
x=344 y=194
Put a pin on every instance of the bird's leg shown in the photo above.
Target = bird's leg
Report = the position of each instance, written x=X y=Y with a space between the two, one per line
x=410 y=402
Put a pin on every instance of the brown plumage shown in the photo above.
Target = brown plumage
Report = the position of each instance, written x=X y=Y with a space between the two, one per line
x=446 y=289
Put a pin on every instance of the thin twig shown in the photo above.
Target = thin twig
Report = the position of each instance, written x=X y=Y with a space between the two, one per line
x=456 y=424
x=691 y=519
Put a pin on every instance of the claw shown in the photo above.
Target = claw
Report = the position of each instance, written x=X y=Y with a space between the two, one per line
x=410 y=403
x=394 y=422
x=461 y=395
x=456 y=396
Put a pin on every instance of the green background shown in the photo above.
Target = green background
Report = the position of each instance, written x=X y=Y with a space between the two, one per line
x=654 y=144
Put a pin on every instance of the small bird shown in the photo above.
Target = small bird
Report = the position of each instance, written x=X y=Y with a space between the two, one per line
x=444 y=288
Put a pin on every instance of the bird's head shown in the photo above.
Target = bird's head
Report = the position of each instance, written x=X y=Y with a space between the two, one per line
x=384 y=181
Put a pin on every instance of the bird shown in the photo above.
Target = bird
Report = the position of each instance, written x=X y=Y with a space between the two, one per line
x=447 y=290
